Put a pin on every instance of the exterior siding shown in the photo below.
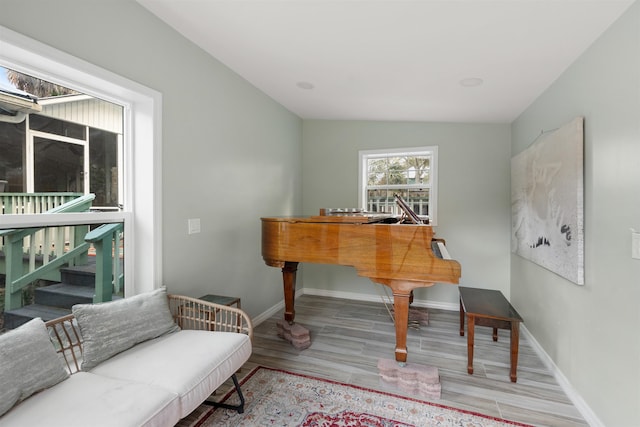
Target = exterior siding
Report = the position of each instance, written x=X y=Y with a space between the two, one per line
x=84 y=110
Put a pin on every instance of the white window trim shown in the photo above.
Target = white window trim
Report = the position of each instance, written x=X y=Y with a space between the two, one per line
x=363 y=155
x=142 y=193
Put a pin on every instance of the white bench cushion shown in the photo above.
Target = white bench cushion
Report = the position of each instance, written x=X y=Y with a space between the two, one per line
x=191 y=364
x=86 y=399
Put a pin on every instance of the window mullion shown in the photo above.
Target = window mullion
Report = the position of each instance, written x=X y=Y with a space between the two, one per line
x=87 y=163
x=29 y=173
x=62 y=219
x=397 y=186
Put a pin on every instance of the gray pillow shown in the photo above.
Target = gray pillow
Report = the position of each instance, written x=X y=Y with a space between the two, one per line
x=28 y=363
x=112 y=327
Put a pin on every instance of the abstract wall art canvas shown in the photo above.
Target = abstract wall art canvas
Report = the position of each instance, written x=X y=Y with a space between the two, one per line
x=547 y=201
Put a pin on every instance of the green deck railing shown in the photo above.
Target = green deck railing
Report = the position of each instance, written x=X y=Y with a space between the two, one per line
x=40 y=243
x=33 y=203
x=107 y=240
x=16 y=278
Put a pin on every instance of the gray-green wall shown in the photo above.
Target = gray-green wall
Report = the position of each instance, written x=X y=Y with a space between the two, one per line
x=473 y=195
x=230 y=153
x=217 y=126
x=590 y=331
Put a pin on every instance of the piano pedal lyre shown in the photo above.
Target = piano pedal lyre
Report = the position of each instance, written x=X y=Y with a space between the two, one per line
x=417 y=317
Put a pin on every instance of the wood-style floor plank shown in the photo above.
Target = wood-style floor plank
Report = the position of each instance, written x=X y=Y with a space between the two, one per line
x=349 y=337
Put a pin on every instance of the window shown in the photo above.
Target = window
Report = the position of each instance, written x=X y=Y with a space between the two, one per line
x=409 y=172
x=141 y=194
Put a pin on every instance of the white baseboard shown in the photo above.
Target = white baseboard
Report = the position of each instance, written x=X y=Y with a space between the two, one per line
x=566 y=386
x=271 y=311
x=584 y=409
x=377 y=298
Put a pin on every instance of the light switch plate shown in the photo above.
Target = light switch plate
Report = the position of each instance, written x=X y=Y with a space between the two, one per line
x=635 y=245
x=193 y=225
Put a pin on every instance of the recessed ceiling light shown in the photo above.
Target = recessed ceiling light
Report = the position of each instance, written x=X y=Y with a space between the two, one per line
x=471 y=82
x=305 y=85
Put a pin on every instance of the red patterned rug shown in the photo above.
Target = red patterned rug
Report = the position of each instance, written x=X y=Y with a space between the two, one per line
x=275 y=397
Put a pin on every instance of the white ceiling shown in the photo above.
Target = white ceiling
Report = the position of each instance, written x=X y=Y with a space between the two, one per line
x=395 y=59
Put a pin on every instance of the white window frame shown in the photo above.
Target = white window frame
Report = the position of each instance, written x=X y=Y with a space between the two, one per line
x=142 y=192
x=365 y=155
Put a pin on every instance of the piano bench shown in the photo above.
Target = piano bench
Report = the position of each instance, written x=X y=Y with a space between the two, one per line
x=485 y=307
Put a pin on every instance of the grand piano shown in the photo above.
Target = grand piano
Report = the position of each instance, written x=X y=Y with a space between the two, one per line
x=398 y=255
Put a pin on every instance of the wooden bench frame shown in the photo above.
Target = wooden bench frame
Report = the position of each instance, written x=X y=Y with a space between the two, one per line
x=485 y=307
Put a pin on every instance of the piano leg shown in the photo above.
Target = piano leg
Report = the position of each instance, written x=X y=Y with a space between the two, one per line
x=289 y=280
x=401 y=309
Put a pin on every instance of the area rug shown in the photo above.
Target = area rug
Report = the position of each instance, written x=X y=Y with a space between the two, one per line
x=275 y=397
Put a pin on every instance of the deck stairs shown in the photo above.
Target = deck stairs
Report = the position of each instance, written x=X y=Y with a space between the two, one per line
x=83 y=264
x=55 y=300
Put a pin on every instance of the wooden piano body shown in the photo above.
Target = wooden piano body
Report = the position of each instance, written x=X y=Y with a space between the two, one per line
x=399 y=256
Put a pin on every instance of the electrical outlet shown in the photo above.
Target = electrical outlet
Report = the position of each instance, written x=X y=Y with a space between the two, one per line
x=193 y=225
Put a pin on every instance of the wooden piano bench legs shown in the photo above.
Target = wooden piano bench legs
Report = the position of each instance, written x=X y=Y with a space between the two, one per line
x=484 y=307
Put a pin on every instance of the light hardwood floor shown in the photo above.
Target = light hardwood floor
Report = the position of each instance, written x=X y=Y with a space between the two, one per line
x=349 y=337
